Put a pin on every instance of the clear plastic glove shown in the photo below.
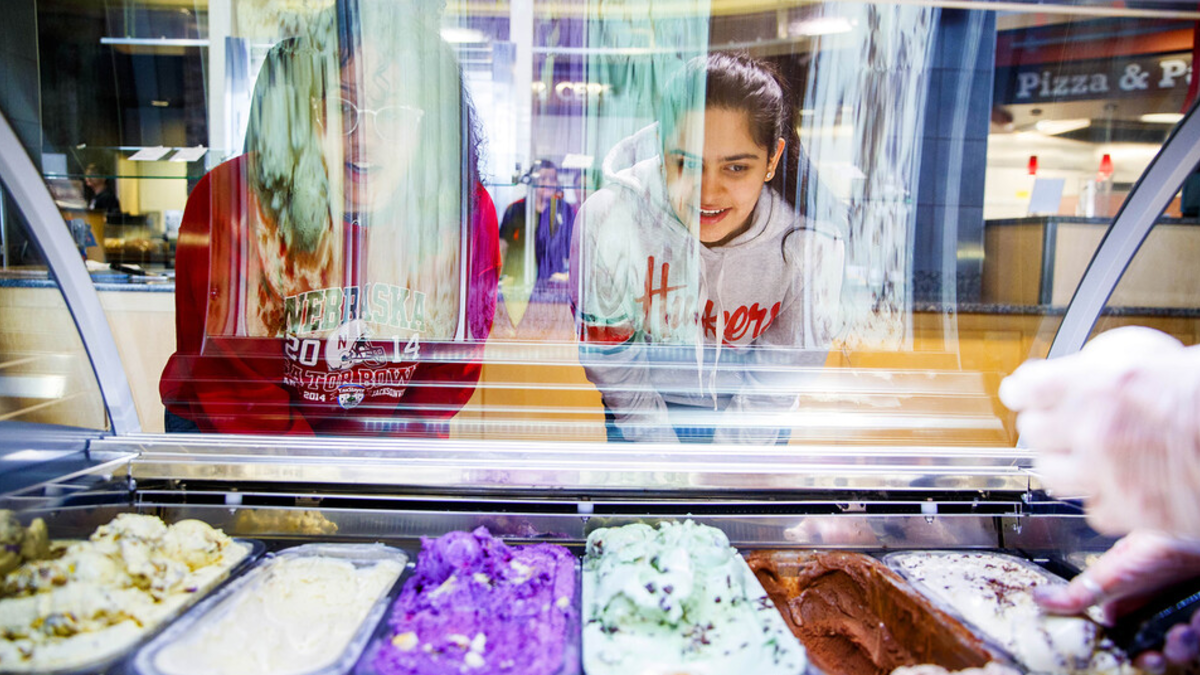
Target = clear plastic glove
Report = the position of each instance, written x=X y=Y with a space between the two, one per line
x=1119 y=424
x=1136 y=570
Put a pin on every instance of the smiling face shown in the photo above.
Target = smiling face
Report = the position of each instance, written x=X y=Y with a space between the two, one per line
x=379 y=131
x=729 y=176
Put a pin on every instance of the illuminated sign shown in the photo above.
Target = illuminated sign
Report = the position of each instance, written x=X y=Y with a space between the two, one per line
x=570 y=92
x=1095 y=79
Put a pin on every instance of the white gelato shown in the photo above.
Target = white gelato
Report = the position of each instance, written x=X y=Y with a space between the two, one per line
x=297 y=614
x=995 y=594
x=102 y=595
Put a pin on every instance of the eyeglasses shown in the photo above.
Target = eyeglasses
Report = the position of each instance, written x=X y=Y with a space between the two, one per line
x=392 y=122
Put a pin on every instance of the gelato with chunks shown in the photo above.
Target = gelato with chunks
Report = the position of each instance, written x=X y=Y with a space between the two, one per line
x=20 y=543
x=102 y=595
x=281 y=521
x=678 y=600
x=476 y=605
x=994 y=593
x=296 y=614
x=857 y=617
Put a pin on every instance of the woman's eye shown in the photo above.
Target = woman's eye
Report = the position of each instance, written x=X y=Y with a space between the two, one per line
x=738 y=168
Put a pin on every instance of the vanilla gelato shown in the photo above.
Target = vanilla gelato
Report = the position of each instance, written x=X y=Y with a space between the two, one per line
x=295 y=614
x=102 y=595
x=994 y=593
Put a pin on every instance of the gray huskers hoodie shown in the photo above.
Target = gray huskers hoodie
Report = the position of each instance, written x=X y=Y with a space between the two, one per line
x=664 y=319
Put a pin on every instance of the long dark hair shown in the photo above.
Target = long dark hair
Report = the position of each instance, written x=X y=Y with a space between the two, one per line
x=735 y=81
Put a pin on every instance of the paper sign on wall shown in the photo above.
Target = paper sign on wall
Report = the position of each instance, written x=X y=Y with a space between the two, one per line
x=1047 y=195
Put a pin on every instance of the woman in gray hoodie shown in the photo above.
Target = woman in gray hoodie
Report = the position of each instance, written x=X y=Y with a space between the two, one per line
x=703 y=295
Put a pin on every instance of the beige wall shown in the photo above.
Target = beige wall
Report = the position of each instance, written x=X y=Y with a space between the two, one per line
x=143 y=324
x=1012 y=266
x=1163 y=274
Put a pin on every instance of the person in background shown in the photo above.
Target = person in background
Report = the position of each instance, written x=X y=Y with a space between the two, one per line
x=341 y=276
x=1119 y=422
x=552 y=233
x=100 y=192
x=699 y=286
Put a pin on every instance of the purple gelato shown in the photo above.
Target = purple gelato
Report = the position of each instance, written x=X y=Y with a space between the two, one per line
x=476 y=605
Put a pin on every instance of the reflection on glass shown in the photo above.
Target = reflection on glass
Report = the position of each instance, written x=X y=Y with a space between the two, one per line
x=348 y=277
x=865 y=93
x=1161 y=286
x=343 y=271
x=539 y=278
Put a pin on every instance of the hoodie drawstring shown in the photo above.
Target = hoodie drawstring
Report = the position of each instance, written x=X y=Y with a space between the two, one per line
x=712 y=377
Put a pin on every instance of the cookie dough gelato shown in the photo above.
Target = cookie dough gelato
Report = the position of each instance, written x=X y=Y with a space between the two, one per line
x=20 y=544
x=992 y=668
x=104 y=594
x=994 y=593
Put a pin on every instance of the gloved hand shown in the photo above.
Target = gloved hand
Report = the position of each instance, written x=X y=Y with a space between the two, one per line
x=1117 y=423
x=1134 y=571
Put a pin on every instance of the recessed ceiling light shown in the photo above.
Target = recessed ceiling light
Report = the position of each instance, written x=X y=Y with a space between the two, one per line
x=458 y=35
x=1162 y=118
x=1055 y=127
x=821 y=25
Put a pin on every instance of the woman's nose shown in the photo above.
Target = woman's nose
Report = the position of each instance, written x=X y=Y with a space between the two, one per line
x=710 y=184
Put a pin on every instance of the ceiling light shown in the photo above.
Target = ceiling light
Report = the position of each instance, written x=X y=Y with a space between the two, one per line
x=574 y=161
x=1055 y=127
x=458 y=35
x=1161 y=118
x=821 y=25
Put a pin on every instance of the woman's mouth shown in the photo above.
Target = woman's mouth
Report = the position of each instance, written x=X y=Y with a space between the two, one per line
x=358 y=169
x=712 y=216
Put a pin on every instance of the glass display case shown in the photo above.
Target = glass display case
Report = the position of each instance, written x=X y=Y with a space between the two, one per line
x=381 y=270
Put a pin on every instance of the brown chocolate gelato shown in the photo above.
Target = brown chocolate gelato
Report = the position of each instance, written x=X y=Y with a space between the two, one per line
x=857 y=617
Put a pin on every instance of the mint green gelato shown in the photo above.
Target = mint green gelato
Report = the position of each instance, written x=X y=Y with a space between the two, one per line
x=676 y=600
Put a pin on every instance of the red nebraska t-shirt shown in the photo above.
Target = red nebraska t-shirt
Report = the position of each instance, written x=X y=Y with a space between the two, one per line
x=343 y=354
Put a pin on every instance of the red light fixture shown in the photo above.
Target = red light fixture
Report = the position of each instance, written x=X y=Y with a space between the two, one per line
x=1106 y=167
x=1033 y=165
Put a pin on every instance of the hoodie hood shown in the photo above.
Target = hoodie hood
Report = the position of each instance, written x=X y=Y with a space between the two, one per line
x=634 y=169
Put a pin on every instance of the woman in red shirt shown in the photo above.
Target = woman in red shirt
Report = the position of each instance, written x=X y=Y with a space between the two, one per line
x=340 y=277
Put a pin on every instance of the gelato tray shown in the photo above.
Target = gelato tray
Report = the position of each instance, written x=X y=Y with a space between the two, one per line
x=993 y=592
x=857 y=617
x=678 y=600
x=84 y=606
x=476 y=604
x=1081 y=560
x=309 y=609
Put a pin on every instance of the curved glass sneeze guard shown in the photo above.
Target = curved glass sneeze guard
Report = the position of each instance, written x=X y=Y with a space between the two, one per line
x=45 y=374
x=698 y=221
